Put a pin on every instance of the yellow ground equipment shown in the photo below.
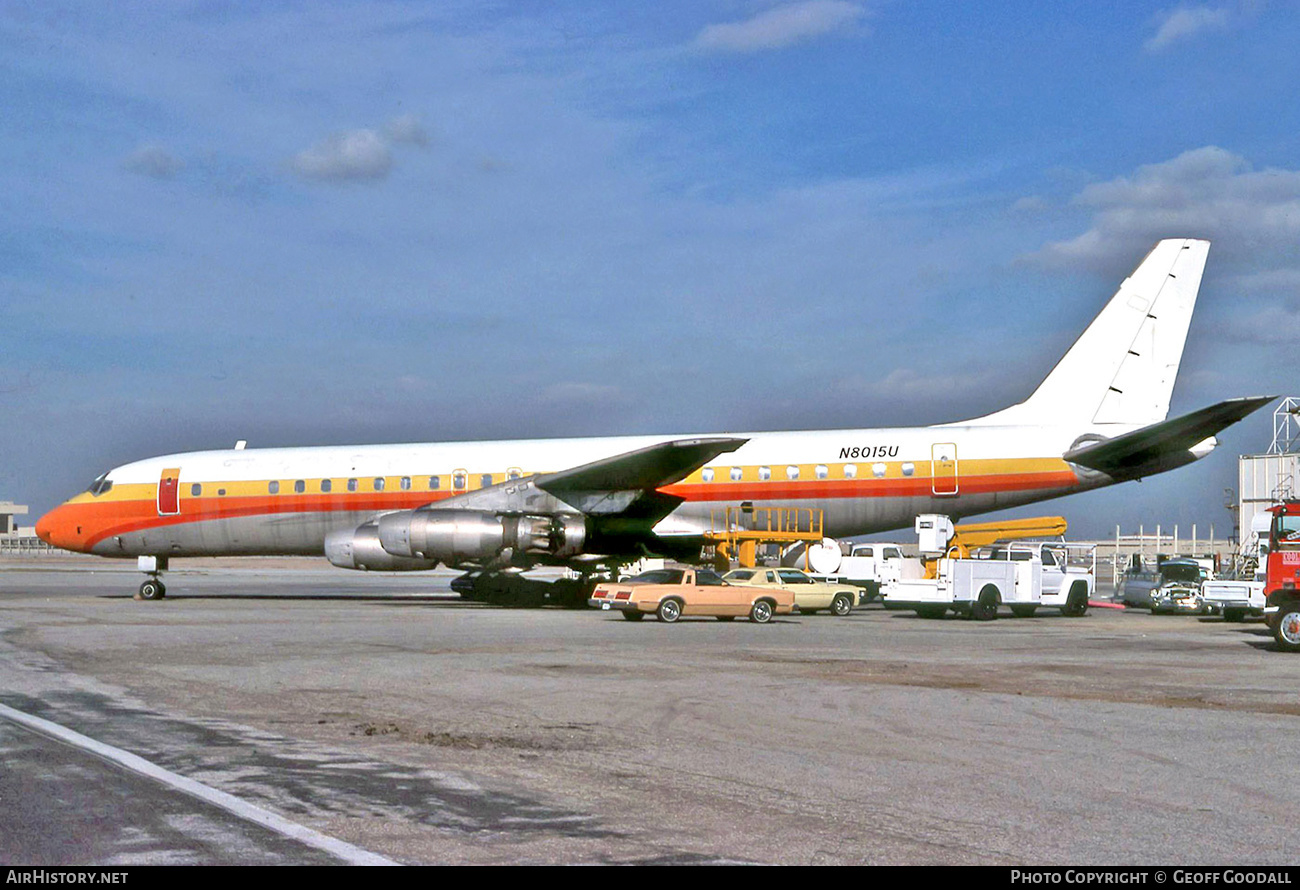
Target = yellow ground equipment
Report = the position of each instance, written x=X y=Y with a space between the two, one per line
x=739 y=531
x=973 y=535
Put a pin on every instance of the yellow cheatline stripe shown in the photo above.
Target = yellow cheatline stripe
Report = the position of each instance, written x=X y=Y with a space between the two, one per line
x=721 y=474
x=865 y=469
x=138 y=491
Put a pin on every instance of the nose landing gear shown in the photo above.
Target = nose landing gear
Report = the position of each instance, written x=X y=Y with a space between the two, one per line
x=153 y=587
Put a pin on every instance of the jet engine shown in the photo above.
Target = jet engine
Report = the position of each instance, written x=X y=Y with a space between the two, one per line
x=480 y=537
x=359 y=548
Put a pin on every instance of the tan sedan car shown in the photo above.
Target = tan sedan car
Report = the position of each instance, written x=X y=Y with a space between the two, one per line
x=810 y=595
x=672 y=593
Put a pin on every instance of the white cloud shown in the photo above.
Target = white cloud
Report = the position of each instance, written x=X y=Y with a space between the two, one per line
x=1185 y=23
x=1252 y=215
x=780 y=27
x=360 y=154
x=353 y=156
x=1285 y=282
x=153 y=161
x=1272 y=325
x=1031 y=204
x=407 y=129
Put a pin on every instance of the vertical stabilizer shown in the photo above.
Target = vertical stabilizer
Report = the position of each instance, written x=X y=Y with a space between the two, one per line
x=1122 y=369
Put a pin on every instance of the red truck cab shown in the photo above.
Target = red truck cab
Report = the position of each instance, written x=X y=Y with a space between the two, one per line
x=1282 y=581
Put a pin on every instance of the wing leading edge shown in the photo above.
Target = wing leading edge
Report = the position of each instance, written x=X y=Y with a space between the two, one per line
x=626 y=483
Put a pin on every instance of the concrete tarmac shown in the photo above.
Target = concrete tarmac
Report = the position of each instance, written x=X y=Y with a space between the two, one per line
x=383 y=711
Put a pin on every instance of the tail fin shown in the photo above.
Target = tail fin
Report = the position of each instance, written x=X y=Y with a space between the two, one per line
x=1122 y=369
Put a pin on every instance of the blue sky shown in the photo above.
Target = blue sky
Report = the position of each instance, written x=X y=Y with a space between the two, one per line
x=389 y=221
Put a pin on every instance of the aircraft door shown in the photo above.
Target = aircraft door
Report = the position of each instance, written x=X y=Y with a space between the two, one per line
x=943 y=468
x=169 y=492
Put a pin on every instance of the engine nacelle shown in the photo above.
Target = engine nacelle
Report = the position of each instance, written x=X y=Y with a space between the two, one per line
x=455 y=537
x=359 y=548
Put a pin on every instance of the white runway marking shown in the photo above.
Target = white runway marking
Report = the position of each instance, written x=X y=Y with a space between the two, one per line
x=341 y=849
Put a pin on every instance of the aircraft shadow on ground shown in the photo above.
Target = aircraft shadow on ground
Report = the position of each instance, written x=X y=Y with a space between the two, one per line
x=440 y=599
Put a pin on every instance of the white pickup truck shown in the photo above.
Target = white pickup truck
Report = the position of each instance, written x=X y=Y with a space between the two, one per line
x=866 y=565
x=1069 y=572
x=1235 y=599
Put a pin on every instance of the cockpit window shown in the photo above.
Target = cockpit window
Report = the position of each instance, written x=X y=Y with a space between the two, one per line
x=100 y=485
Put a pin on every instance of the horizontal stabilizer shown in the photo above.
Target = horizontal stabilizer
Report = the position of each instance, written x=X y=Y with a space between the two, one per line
x=1139 y=452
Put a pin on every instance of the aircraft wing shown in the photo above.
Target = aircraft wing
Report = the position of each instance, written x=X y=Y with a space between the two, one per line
x=1162 y=444
x=626 y=483
x=622 y=488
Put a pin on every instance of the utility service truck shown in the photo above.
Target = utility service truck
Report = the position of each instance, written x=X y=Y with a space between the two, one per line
x=952 y=574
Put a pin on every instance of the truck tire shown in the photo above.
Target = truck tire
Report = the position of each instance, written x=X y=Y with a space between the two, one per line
x=1076 y=604
x=842 y=604
x=1286 y=630
x=1024 y=611
x=986 y=607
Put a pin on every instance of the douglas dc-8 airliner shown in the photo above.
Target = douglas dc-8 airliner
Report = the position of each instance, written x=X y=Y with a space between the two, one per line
x=496 y=508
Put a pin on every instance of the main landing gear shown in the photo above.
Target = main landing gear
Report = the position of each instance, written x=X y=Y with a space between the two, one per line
x=514 y=591
x=153 y=587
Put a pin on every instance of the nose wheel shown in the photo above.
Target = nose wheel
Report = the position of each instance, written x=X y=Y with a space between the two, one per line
x=152 y=588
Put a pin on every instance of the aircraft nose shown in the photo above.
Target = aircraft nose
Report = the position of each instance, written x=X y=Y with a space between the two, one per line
x=59 y=528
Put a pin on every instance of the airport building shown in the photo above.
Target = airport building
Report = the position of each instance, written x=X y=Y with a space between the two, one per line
x=1264 y=479
x=8 y=510
x=16 y=540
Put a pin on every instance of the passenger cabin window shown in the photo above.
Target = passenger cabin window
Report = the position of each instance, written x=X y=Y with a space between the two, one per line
x=707 y=475
x=485 y=480
x=273 y=487
x=764 y=473
x=892 y=553
x=459 y=480
x=878 y=470
x=352 y=485
x=406 y=483
x=435 y=482
x=196 y=489
x=379 y=483
x=791 y=577
x=822 y=471
x=792 y=472
x=909 y=468
x=514 y=473
x=326 y=485
x=706 y=578
x=850 y=471
x=737 y=474
x=300 y=486
x=221 y=492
